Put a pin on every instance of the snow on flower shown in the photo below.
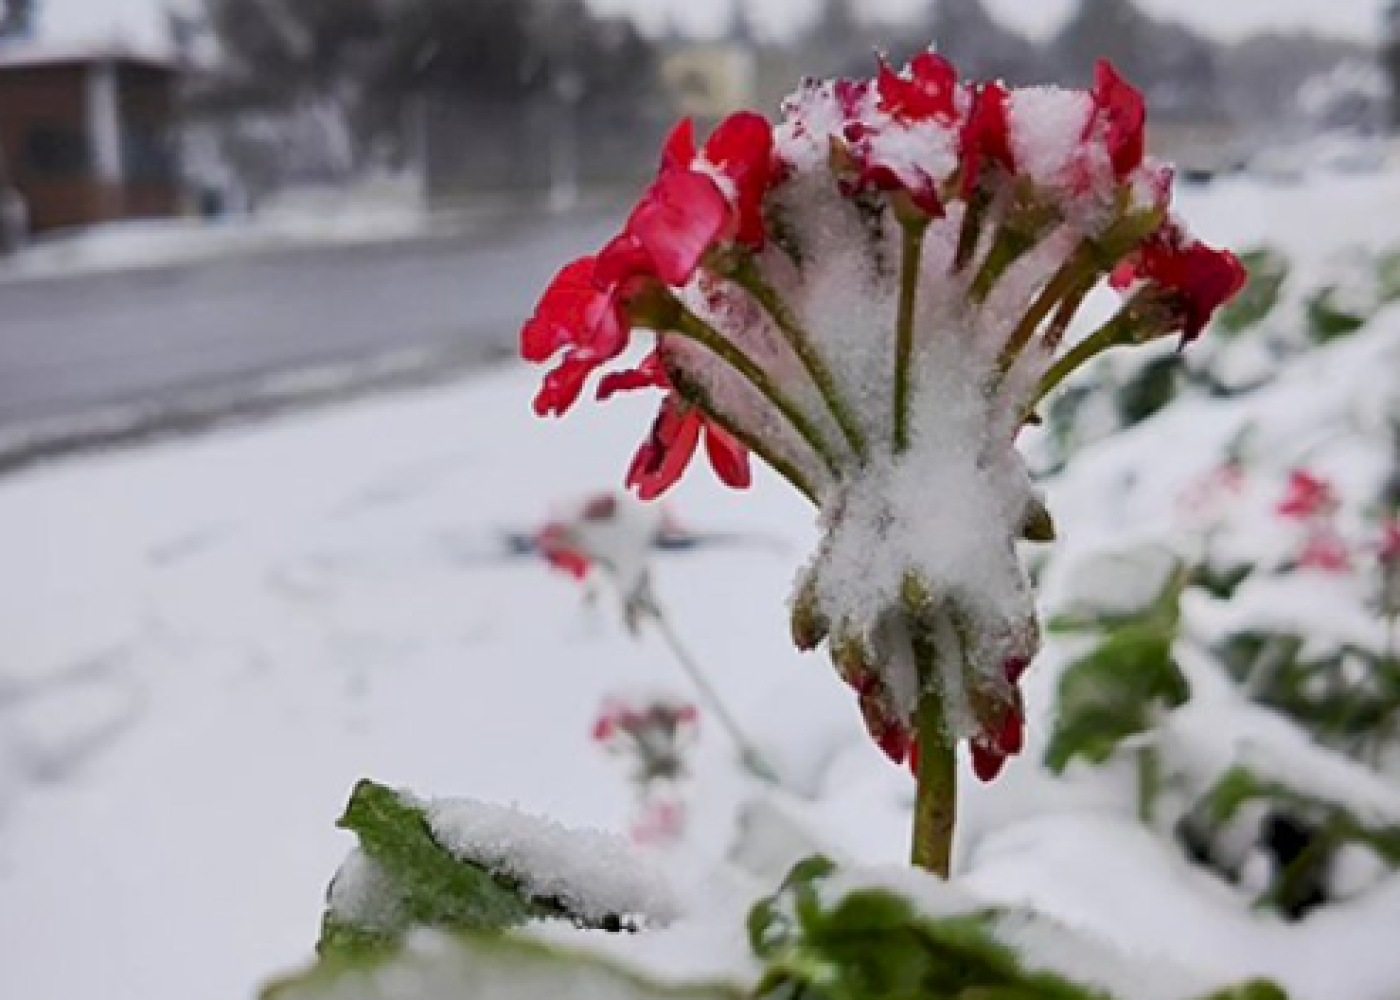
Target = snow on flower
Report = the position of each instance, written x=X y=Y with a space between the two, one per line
x=873 y=297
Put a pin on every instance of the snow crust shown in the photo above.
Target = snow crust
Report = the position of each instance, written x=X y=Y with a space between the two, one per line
x=594 y=873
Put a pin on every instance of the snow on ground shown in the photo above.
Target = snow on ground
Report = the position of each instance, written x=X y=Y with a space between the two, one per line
x=206 y=644
x=387 y=208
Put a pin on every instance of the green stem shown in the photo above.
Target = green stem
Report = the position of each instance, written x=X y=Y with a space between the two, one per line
x=694 y=328
x=936 y=802
x=969 y=232
x=1109 y=335
x=788 y=470
x=1149 y=773
x=1072 y=273
x=753 y=760
x=910 y=255
x=748 y=277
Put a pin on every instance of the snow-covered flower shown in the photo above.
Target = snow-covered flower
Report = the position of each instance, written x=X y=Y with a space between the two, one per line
x=1325 y=550
x=654 y=733
x=608 y=532
x=873 y=297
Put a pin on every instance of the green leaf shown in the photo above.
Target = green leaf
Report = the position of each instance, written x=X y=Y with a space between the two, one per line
x=1240 y=786
x=1329 y=321
x=407 y=879
x=1150 y=389
x=1268 y=272
x=1221 y=581
x=1113 y=693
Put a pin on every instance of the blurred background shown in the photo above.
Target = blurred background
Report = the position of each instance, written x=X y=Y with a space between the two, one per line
x=271 y=494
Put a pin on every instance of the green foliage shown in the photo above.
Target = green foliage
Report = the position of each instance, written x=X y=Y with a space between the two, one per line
x=1220 y=582
x=1150 y=389
x=1114 y=693
x=1240 y=786
x=1328 y=320
x=874 y=945
x=419 y=883
x=1345 y=697
x=1268 y=272
x=1116 y=690
x=1304 y=831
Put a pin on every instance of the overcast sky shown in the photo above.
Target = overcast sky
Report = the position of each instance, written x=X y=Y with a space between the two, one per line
x=139 y=21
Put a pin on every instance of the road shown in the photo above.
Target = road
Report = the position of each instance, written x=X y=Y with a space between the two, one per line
x=185 y=343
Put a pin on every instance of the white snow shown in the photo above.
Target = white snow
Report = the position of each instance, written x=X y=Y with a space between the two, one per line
x=249 y=622
x=595 y=874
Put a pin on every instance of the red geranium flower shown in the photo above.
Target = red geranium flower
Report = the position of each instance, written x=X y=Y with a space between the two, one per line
x=666 y=453
x=556 y=544
x=584 y=310
x=700 y=199
x=1194 y=279
x=1307 y=497
x=1326 y=551
x=928 y=93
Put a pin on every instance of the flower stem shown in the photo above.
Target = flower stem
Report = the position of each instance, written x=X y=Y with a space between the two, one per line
x=788 y=470
x=1072 y=273
x=747 y=276
x=1149 y=783
x=936 y=801
x=749 y=754
x=694 y=328
x=912 y=251
x=1109 y=335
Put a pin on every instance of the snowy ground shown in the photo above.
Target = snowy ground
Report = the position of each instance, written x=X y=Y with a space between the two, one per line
x=206 y=643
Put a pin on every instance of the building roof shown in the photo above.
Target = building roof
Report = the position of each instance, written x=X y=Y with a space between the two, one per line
x=38 y=55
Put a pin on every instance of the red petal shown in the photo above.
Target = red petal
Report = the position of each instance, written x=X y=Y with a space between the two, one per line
x=986 y=137
x=678 y=219
x=927 y=93
x=663 y=457
x=728 y=457
x=742 y=149
x=621 y=260
x=647 y=375
x=559 y=317
x=679 y=151
x=563 y=385
x=986 y=762
x=1121 y=109
x=896 y=742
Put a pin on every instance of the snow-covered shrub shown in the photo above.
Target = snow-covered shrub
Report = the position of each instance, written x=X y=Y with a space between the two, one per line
x=1294 y=806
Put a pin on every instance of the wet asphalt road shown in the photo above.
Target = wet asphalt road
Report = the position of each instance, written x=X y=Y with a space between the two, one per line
x=75 y=348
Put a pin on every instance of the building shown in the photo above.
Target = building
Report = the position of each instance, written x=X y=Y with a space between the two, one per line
x=88 y=136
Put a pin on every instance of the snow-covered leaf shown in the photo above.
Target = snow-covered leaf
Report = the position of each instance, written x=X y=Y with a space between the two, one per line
x=466 y=866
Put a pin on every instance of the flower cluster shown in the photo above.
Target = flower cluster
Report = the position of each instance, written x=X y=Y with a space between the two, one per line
x=611 y=533
x=655 y=734
x=1312 y=502
x=873 y=296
